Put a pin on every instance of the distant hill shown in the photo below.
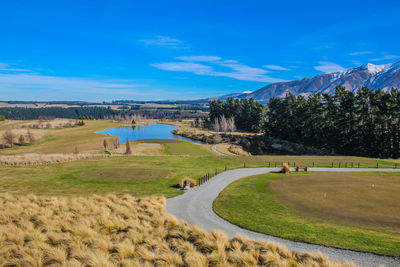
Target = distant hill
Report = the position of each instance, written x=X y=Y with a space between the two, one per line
x=369 y=75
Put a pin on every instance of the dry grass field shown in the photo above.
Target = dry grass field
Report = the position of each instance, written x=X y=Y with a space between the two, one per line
x=123 y=231
x=358 y=199
x=62 y=140
x=35 y=159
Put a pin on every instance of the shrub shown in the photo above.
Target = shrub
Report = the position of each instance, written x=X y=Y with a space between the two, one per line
x=285 y=168
x=238 y=150
x=217 y=139
x=183 y=181
x=2 y=118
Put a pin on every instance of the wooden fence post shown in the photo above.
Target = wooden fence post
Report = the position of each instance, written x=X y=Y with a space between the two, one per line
x=345 y=164
x=269 y=164
x=275 y=163
x=359 y=165
x=225 y=167
x=340 y=164
x=332 y=164
x=294 y=164
x=313 y=163
x=377 y=165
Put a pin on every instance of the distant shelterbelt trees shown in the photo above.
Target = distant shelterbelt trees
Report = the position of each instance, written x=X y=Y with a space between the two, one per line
x=365 y=123
x=22 y=113
x=249 y=115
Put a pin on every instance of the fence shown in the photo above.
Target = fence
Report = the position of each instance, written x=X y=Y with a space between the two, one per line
x=275 y=164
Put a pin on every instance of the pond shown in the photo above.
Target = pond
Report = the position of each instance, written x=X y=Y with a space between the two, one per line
x=151 y=131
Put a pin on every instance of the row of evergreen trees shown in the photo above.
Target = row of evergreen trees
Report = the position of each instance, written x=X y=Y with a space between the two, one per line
x=365 y=123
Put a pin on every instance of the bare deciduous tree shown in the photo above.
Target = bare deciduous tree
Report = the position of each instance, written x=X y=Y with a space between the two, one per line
x=223 y=124
x=216 y=125
x=231 y=124
x=200 y=123
x=128 y=150
x=105 y=144
x=9 y=137
x=31 y=137
x=21 y=139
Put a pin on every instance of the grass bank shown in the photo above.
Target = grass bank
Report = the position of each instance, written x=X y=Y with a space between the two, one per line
x=124 y=231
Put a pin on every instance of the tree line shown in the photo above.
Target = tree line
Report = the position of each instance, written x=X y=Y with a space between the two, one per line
x=364 y=123
x=22 y=113
x=248 y=115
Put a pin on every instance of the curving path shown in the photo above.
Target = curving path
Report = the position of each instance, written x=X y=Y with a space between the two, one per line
x=196 y=207
x=214 y=149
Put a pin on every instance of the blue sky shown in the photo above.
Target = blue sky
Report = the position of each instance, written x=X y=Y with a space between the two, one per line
x=153 y=50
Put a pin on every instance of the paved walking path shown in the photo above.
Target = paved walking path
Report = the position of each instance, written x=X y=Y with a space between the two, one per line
x=196 y=207
x=214 y=149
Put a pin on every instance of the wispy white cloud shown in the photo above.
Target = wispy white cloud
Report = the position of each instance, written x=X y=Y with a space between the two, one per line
x=31 y=83
x=165 y=41
x=359 y=53
x=275 y=67
x=216 y=66
x=199 y=58
x=184 y=66
x=326 y=66
x=6 y=68
x=385 y=57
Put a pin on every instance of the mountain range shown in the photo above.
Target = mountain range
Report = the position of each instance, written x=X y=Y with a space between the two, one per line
x=372 y=76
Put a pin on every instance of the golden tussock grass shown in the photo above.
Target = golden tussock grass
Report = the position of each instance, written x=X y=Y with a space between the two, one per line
x=238 y=150
x=123 y=231
x=285 y=168
x=192 y=182
x=35 y=159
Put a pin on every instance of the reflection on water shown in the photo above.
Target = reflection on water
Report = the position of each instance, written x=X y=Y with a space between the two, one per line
x=151 y=131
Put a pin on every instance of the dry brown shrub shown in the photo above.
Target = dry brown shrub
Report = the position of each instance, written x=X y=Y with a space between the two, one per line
x=238 y=150
x=123 y=231
x=217 y=139
x=192 y=182
x=285 y=168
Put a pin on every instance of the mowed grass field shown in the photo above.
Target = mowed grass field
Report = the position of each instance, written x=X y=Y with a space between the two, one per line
x=156 y=167
x=357 y=211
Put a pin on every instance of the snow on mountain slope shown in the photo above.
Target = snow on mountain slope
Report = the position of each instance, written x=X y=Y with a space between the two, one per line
x=373 y=76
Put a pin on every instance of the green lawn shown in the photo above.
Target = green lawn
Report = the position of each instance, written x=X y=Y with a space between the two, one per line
x=140 y=175
x=186 y=148
x=252 y=204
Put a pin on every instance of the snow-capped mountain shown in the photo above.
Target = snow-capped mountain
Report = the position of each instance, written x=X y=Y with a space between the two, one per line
x=372 y=76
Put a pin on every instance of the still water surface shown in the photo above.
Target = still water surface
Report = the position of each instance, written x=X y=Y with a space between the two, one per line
x=151 y=131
